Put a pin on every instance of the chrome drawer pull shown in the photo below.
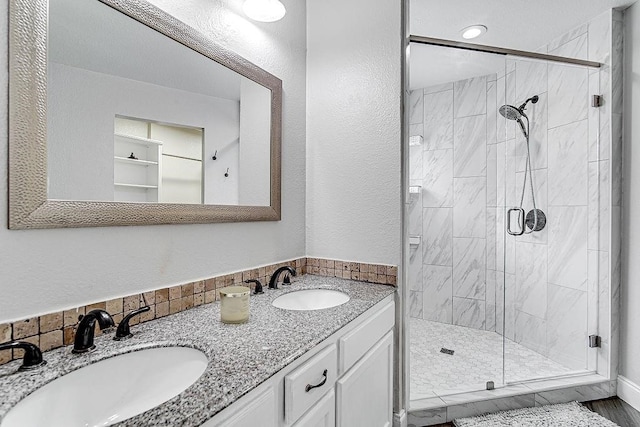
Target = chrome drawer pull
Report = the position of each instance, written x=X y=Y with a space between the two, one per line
x=320 y=384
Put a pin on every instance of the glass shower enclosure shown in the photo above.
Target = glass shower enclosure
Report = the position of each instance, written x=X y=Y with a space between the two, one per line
x=509 y=219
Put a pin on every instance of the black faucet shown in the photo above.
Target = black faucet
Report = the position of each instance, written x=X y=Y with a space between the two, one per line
x=123 y=332
x=86 y=328
x=258 y=289
x=32 y=355
x=273 y=283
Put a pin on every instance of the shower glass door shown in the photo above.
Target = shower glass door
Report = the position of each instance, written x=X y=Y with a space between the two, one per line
x=456 y=257
x=546 y=212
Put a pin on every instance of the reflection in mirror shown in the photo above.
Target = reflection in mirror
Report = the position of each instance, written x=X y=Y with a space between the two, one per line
x=134 y=116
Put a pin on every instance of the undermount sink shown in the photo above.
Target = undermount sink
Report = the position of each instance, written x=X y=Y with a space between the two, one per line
x=310 y=299
x=112 y=390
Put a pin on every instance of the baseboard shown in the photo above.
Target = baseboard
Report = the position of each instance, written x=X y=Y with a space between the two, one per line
x=400 y=419
x=629 y=392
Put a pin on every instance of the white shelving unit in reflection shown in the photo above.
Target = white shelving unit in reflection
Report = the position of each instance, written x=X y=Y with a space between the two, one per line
x=137 y=168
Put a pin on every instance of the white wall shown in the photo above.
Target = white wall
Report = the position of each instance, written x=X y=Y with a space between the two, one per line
x=47 y=270
x=630 y=289
x=254 y=187
x=81 y=111
x=353 y=130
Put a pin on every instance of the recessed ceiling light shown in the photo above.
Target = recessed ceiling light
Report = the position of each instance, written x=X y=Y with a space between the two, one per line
x=473 y=31
x=264 y=10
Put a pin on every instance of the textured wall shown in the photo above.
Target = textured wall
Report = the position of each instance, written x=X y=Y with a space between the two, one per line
x=353 y=130
x=48 y=270
x=629 y=337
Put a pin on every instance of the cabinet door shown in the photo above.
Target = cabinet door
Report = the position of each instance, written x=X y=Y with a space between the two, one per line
x=322 y=414
x=260 y=412
x=365 y=392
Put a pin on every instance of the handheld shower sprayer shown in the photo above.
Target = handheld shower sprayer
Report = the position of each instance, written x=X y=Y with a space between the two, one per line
x=535 y=219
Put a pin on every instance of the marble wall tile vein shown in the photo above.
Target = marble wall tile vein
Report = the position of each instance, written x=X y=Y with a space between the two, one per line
x=568 y=94
x=568 y=164
x=599 y=206
x=492 y=239
x=438 y=236
x=531 y=279
x=469 y=268
x=531 y=332
x=490 y=406
x=469 y=313
x=469 y=207
x=567 y=249
x=531 y=79
x=568 y=36
x=416 y=99
x=599 y=35
x=438 y=88
x=566 y=326
x=599 y=118
x=415 y=165
x=438 y=293
x=415 y=304
x=415 y=269
x=492 y=175
x=492 y=112
x=438 y=120
x=470 y=97
x=490 y=300
x=469 y=147
x=576 y=48
x=437 y=182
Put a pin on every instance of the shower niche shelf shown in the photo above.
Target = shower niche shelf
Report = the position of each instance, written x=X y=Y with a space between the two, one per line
x=415 y=189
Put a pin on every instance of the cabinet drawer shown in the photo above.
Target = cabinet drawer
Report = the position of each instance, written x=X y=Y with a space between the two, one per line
x=356 y=343
x=299 y=393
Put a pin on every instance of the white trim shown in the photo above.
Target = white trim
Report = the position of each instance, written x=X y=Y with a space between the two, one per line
x=629 y=392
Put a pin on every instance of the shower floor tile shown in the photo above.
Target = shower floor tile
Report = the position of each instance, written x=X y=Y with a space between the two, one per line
x=477 y=359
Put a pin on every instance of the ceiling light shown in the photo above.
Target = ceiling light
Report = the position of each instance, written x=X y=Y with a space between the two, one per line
x=473 y=31
x=264 y=10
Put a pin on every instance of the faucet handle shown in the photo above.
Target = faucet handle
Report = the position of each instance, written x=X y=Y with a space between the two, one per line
x=287 y=280
x=123 y=332
x=258 y=289
x=32 y=355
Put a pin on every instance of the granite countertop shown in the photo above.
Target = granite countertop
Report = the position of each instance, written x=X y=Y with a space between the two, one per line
x=240 y=356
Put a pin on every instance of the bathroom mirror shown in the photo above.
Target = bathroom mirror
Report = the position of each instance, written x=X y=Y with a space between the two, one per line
x=122 y=115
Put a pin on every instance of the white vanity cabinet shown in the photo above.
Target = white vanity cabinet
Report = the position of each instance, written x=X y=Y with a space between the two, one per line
x=345 y=381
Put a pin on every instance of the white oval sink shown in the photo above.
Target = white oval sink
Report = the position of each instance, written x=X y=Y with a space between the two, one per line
x=310 y=299
x=111 y=390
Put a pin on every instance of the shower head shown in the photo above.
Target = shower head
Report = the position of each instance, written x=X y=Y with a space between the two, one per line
x=510 y=112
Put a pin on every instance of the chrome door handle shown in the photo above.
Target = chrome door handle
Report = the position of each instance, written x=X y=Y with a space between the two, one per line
x=519 y=232
x=320 y=384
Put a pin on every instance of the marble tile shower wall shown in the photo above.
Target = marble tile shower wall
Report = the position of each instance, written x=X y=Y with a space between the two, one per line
x=552 y=287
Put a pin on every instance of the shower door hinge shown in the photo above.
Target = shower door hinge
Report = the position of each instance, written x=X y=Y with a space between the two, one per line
x=597 y=101
x=594 y=341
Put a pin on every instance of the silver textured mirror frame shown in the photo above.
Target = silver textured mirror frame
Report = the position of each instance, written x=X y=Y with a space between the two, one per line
x=29 y=207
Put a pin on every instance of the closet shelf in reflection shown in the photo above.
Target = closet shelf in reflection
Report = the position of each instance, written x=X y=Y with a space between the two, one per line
x=142 y=186
x=134 y=161
x=137 y=139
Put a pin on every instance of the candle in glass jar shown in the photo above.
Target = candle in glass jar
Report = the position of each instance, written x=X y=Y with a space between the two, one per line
x=234 y=304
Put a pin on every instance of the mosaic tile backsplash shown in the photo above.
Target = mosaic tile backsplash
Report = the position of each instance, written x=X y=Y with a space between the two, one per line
x=55 y=330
